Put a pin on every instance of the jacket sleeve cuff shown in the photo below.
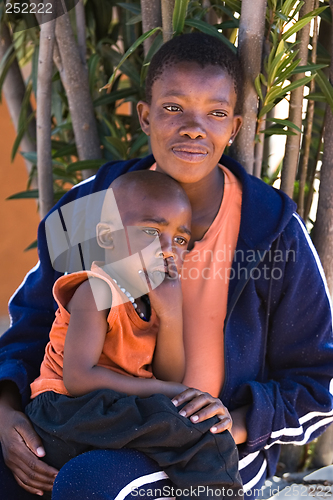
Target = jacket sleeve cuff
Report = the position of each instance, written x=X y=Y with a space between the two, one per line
x=15 y=372
x=259 y=429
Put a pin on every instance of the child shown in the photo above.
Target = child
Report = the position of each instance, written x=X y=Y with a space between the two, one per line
x=101 y=358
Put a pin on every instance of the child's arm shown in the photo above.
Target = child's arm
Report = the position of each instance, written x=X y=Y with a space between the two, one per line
x=83 y=346
x=167 y=300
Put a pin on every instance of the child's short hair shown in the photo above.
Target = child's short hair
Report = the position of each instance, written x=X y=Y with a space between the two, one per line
x=195 y=47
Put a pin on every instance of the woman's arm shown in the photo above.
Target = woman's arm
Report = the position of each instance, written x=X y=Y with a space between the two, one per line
x=20 y=444
x=83 y=347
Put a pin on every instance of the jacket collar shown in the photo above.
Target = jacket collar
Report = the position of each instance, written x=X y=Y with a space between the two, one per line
x=265 y=210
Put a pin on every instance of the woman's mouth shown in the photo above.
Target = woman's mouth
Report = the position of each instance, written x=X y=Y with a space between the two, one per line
x=189 y=154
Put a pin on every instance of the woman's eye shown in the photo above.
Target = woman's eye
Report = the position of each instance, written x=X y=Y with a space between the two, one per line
x=219 y=114
x=172 y=108
x=151 y=231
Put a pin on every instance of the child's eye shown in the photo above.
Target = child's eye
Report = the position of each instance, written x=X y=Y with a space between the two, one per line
x=219 y=114
x=151 y=231
x=172 y=107
x=181 y=241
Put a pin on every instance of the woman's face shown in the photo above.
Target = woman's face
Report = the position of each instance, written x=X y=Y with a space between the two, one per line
x=190 y=119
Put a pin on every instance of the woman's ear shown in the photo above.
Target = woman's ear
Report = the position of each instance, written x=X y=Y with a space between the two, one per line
x=237 y=123
x=104 y=235
x=143 y=109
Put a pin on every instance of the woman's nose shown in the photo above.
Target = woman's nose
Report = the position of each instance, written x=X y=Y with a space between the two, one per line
x=193 y=129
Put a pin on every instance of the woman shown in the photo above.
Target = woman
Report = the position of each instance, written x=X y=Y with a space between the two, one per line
x=255 y=345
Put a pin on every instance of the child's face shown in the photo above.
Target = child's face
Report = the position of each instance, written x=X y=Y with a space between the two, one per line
x=190 y=119
x=155 y=230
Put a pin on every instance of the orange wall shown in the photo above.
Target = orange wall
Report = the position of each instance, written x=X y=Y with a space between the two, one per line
x=18 y=218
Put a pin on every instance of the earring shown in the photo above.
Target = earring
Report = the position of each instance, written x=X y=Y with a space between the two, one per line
x=230 y=142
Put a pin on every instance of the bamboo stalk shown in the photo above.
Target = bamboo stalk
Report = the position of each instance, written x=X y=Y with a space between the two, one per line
x=313 y=174
x=151 y=18
x=290 y=162
x=167 y=12
x=323 y=228
x=44 y=99
x=81 y=31
x=75 y=81
x=259 y=148
x=250 y=45
x=13 y=91
x=309 y=120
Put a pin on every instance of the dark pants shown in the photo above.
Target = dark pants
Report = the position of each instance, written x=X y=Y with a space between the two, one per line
x=188 y=453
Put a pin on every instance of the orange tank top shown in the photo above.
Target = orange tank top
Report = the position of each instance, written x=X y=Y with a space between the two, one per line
x=205 y=283
x=129 y=343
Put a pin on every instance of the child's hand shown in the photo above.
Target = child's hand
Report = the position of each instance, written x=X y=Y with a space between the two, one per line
x=165 y=298
x=203 y=406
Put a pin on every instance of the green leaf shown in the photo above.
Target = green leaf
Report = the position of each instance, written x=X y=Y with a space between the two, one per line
x=257 y=85
x=56 y=77
x=228 y=24
x=61 y=174
x=235 y=5
x=34 y=69
x=286 y=123
x=21 y=131
x=68 y=150
x=287 y=6
x=25 y=106
x=62 y=127
x=273 y=68
x=281 y=16
x=302 y=22
x=286 y=74
x=316 y=96
x=275 y=93
x=179 y=15
x=134 y=20
x=265 y=109
x=135 y=45
x=128 y=68
x=84 y=165
x=31 y=193
x=288 y=60
x=140 y=141
x=10 y=51
x=4 y=72
x=30 y=156
x=92 y=66
x=31 y=246
x=309 y=67
x=102 y=16
x=325 y=87
x=226 y=11
x=132 y=7
x=277 y=131
x=110 y=148
x=297 y=9
x=210 y=30
x=119 y=145
x=157 y=43
x=115 y=96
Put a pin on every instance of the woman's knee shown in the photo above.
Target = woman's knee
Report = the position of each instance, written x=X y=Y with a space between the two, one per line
x=106 y=475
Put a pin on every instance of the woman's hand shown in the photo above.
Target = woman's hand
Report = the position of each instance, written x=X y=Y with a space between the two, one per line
x=202 y=406
x=21 y=447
